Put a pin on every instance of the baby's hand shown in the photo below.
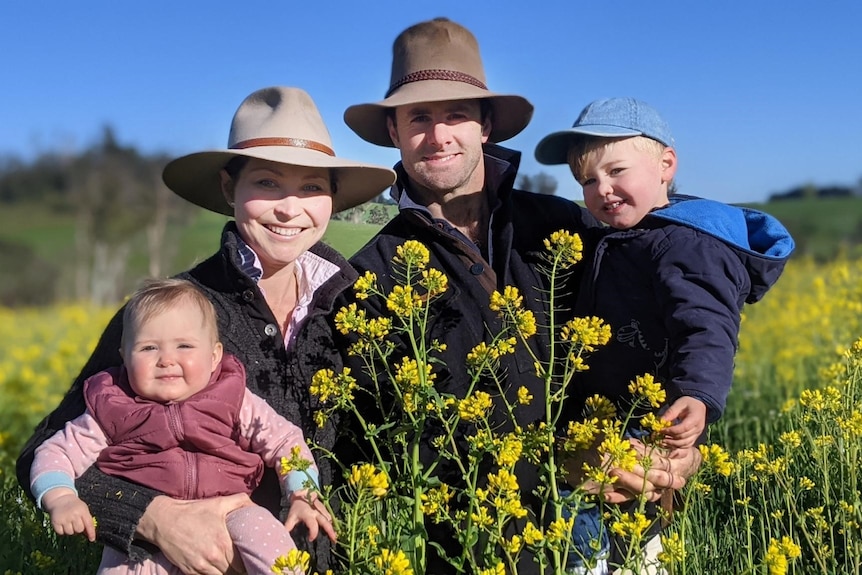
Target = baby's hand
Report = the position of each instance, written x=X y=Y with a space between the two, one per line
x=307 y=508
x=69 y=515
x=690 y=417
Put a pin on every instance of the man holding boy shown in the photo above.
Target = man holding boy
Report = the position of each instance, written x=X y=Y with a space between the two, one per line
x=455 y=194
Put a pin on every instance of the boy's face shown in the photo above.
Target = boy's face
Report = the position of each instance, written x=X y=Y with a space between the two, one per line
x=171 y=355
x=626 y=179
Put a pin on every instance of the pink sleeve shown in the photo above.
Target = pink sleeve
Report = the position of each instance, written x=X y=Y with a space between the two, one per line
x=66 y=455
x=270 y=435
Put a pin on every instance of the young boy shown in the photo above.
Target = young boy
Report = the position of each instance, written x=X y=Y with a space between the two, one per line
x=672 y=273
x=176 y=416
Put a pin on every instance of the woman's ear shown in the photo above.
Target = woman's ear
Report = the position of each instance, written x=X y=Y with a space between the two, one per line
x=227 y=186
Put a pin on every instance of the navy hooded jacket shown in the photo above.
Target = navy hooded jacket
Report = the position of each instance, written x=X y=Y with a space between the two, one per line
x=672 y=290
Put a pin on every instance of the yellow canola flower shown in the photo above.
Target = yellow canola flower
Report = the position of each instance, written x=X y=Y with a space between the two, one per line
x=510 y=299
x=350 y=319
x=673 y=549
x=475 y=406
x=524 y=396
x=294 y=562
x=412 y=254
x=497 y=569
x=586 y=332
x=532 y=534
x=403 y=301
x=525 y=323
x=510 y=451
x=365 y=284
x=436 y=501
x=393 y=563
x=717 y=458
x=631 y=525
x=366 y=476
x=647 y=388
x=295 y=463
x=502 y=482
x=565 y=247
x=620 y=452
x=434 y=281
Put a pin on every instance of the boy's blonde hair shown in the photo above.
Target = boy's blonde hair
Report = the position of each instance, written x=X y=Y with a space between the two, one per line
x=157 y=296
x=582 y=148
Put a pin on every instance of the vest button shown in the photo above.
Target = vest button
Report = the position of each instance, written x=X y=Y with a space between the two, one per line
x=477 y=269
x=270 y=329
x=248 y=295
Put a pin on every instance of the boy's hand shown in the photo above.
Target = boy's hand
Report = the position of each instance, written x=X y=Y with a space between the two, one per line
x=307 y=508
x=69 y=515
x=690 y=416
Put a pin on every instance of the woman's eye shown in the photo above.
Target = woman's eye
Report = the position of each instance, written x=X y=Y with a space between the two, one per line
x=267 y=183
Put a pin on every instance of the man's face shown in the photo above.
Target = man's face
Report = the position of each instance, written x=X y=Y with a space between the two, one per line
x=441 y=145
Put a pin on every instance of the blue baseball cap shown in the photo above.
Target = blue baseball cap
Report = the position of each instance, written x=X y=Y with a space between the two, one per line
x=608 y=118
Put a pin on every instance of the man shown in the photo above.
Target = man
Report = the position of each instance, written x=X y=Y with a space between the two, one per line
x=455 y=194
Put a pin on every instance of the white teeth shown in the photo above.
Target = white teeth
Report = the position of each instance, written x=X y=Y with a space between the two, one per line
x=613 y=206
x=285 y=232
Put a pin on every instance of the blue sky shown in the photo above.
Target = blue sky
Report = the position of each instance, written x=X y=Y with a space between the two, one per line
x=761 y=95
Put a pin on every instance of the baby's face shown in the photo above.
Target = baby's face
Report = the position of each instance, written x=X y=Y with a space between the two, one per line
x=624 y=180
x=171 y=355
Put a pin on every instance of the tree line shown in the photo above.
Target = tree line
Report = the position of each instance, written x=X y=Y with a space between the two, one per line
x=117 y=200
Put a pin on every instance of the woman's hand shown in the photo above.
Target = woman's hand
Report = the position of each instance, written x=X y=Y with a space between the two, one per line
x=192 y=534
x=307 y=508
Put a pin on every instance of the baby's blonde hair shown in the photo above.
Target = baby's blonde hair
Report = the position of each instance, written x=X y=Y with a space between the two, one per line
x=582 y=148
x=157 y=296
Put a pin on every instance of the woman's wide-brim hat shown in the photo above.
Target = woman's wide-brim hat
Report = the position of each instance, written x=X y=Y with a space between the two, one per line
x=437 y=61
x=281 y=125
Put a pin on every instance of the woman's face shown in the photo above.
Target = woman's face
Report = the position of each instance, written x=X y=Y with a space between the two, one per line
x=280 y=210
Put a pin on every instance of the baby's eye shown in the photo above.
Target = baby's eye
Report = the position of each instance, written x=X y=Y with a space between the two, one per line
x=147 y=348
x=587 y=182
x=617 y=171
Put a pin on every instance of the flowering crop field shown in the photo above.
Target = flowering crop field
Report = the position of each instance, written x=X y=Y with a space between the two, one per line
x=779 y=492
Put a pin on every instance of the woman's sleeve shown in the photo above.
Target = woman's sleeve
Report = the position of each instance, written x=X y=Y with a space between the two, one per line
x=117 y=504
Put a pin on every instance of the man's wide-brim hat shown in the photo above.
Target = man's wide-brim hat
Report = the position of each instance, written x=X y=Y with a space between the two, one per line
x=437 y=61
x=280 y=125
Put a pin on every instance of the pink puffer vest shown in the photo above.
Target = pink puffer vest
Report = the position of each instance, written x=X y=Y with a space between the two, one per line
x=187 y=450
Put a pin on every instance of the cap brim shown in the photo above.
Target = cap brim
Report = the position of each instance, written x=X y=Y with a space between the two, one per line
x=554 y=148
x=195 y=177
x=511 y=113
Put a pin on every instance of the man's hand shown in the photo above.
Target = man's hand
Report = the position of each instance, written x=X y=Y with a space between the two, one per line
x=69 y=515
x=192 y=534
x=667 y=470
x=307 y=508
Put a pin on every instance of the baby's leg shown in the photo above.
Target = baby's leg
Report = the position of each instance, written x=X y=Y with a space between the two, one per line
x=116 y=563
x=259 y=537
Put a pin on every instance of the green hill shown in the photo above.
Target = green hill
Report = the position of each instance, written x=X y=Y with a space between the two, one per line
x=38 y=254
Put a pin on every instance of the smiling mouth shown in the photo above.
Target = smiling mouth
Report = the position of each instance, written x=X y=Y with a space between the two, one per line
x=284 y=232
x=440 y=159
x=613 y=206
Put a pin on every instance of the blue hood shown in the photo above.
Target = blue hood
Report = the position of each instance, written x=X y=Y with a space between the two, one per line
x=760 y=240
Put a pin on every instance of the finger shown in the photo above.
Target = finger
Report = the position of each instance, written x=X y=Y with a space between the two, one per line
x=329 y=530
x=313 y=528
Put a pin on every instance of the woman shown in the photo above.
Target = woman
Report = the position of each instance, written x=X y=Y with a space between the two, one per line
x=273 y=283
